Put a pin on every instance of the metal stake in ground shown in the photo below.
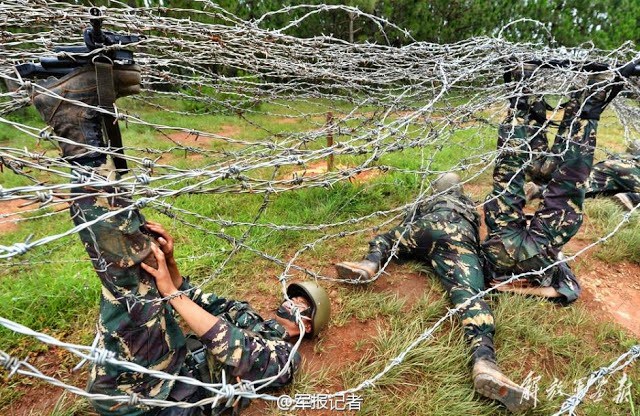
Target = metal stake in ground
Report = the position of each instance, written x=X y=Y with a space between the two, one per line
x=330 y=160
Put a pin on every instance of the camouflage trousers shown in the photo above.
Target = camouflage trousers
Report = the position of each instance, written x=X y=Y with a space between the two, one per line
x=544 y=158
x=449 y=243
x=514 y=245
x=138 y=327
x=613 y=176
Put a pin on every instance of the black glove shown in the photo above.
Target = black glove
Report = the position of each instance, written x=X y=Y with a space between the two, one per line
x=599 y=95
x=630 y=69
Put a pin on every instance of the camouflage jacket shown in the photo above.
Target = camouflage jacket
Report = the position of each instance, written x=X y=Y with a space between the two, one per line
x=138 y=327
x=459 y=203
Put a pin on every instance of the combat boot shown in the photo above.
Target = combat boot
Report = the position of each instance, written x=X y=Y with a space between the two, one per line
x=80 y=123
x=524 y=105
x=627 y=200
x=363 y=270
x=489 y=381
x=532 y=191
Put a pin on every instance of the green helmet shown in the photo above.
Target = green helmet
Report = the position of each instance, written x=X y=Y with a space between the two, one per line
x=633 y=147
x=320 y=306
x=447 y=182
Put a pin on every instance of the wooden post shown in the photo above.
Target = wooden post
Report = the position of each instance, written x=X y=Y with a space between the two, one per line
x=330 y=140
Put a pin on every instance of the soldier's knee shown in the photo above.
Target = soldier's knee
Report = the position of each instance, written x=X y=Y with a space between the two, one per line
x=497 y=254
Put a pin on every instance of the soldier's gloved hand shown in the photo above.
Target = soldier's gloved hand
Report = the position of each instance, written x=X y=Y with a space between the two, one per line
x=630 y=69
x=523 y=101
x=601 y=89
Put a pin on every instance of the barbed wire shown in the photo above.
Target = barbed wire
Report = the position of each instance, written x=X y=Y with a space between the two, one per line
x=383 y=100
x=101 y=356
x=570 y=404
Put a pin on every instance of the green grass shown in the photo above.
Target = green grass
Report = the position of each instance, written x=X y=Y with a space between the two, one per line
x=532 y=336
x=624 y=245
x=364 y=304
x=68 y=405
x=54 y=290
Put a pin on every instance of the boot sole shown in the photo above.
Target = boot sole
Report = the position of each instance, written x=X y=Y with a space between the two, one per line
x=352 y=273
x=513 y=398
x=624 y=201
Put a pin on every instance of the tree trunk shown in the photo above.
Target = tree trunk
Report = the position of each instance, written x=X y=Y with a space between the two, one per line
x=352 y=17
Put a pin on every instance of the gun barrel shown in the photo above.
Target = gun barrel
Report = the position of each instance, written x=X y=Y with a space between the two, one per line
x=31 y=70
x=566 y=63
x=54 y=63
x=71 y=49
x=94 y=38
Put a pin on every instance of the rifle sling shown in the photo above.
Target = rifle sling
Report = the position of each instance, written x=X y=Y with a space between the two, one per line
x=106 y=98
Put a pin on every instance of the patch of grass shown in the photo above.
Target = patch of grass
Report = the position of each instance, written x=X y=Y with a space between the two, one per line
x=633 y=410
x=9 y=392
x=48 y=290
x=67 y=405
x=532 y=337
x=624 y=245
x=364 y=304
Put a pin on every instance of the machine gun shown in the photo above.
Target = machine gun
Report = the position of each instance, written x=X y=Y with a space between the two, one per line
x=93 y=53
x=72 y=57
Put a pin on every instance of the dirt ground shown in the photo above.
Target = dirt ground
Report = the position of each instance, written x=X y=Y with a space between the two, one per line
x=40 y=398
x=611 y=291
x=8 y=222
x=320 y=168
x=189 y=139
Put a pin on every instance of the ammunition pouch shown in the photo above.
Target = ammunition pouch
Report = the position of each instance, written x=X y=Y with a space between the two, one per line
x=196 y=359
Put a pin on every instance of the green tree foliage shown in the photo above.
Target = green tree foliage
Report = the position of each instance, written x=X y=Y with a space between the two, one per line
x=605 y=23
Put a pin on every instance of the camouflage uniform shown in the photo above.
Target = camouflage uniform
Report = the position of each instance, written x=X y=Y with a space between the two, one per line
x=444 y=234
x=134 y=323
x=515 y=246
x=617 y=175
x=140 y=328
x=538 y=143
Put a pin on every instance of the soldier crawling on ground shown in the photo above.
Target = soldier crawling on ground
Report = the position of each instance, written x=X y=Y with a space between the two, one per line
x=142 y=287
x=618 y=176
x=444 y=231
